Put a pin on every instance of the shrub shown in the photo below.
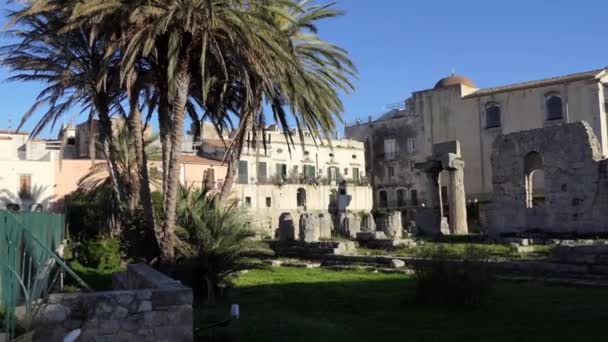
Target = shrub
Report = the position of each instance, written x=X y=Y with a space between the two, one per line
x=445 y=278
x=215 y=240
x=101 y=254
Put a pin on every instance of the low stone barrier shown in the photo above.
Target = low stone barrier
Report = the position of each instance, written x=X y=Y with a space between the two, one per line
x=148 y=306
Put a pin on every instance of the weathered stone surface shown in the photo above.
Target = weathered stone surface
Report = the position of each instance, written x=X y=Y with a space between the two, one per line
x=326 y=225
x=393 y=228
x=286 y=228
x=309 y=228
x=350 y=225
x=368 y=224
x=164 y=305
x=365 y=236
x=575 y=181
x=396 y=263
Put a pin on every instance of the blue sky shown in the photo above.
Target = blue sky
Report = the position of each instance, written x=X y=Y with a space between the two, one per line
x=400 y=46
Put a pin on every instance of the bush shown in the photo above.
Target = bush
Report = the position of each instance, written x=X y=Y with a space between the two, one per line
x=101 y=254
x=215 y=240
x=445 y=278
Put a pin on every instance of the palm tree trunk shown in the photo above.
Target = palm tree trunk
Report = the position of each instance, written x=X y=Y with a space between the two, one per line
x=182 y=85
x=143 y=187
x=234 y=155
x=164 y=119
x=106 y=139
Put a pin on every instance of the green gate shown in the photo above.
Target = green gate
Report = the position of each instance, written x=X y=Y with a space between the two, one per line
x=30 y=262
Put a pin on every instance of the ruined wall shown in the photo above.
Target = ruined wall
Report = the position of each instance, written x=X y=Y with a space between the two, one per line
x=575 y=196
x=147 y=306
x=402 y=128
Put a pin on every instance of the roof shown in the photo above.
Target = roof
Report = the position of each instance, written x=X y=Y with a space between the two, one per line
x=189 y=159
x=217 y=142
x=540 y=83
x=454 y=80
x=12 y=132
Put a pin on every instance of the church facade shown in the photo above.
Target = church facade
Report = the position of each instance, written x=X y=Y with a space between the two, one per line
x=455 y=109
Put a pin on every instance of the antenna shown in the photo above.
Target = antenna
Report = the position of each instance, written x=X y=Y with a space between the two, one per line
x=9 y=122
x=453 y=71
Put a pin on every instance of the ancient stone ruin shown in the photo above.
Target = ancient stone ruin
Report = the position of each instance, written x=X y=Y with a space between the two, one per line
x=574 y=198
x=431 y=220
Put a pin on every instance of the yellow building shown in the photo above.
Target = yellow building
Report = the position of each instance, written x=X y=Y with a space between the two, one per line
x=456 y=109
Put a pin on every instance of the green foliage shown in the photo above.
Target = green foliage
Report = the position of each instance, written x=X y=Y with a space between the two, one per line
x=446 y=278
x=101 y=254
x=89 y=214
x=98 y=279
x=216 y=239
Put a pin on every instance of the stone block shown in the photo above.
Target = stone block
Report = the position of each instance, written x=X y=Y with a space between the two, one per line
x=396 y=263
x=287 y=229
x=394 y=228
x=309 y=228
x=172 y=297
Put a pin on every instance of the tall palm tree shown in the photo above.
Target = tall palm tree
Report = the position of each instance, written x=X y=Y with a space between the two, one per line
x=195 y=39
x=77 y=69
x=308 y=87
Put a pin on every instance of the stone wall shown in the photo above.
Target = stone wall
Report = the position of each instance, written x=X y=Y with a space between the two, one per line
x=575 y=182
x=148 y=306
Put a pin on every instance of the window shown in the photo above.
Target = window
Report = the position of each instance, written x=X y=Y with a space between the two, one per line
x=268 y=202
x=554 y=107
x=389 y=149
x=281 y=171
x=331 y=155
x=414 y=197
x=243 y=172
x=411 y=144
x=301 y=197
x=346 y=171
x=354 y=156
x=25 y=186
x=606 y=107
x=309 y=172
x=412 y=165
x=492 y=115
x=248 y=201
x=391 y=171
x=383 y=198
x=355 y=174
x=262 y=172
x=401 y=198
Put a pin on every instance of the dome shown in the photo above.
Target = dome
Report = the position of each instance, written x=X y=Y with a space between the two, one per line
x=454 y=80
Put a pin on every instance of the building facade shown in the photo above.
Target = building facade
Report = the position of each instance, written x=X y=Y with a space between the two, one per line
x=456 y=109
x=27 y=172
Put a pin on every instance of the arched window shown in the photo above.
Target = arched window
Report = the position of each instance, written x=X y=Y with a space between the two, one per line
x=333 y=199
x=534 y=179
x=301 y=197
x=401 y=198
x=383 y=198
x=492 y=115
x=554 y=106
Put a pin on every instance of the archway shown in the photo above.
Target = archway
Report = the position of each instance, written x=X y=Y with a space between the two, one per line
x=534 y=179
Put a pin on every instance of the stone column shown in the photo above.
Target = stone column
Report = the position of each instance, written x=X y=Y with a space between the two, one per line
x=434 y=190
x=457 y=200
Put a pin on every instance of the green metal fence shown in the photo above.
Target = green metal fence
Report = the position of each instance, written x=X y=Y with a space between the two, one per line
x=30 y=266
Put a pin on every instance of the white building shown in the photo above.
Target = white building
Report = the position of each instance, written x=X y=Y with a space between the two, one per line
x=276 y=177
x=27 y=171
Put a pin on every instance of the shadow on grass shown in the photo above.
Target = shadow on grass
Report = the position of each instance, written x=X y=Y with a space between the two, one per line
x=354 y=306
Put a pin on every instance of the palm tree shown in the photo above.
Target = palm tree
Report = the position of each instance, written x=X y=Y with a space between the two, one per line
x=77 y=68
x=195 y=42
x=311 y=84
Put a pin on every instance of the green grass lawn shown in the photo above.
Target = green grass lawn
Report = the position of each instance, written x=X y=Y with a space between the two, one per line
x=293 y=304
